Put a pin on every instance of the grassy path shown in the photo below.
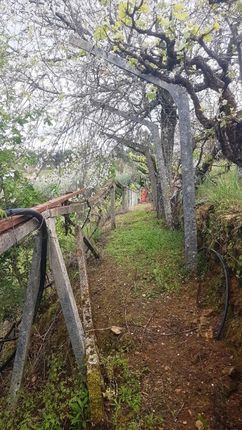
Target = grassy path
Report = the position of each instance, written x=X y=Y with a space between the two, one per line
x=161 y=369
x=140 y=243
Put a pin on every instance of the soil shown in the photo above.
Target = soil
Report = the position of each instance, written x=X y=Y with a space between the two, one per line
x=190 y=379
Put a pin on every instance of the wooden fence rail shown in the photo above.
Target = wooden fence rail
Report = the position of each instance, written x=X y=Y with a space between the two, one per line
x=14 y=229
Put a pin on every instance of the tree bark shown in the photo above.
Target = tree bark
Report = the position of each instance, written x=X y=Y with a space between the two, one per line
x=125 y=204
x=168 y=125
x=112 y=209
x=188 y=187
x=163 y=175
x=152 y=177
x=164 y=204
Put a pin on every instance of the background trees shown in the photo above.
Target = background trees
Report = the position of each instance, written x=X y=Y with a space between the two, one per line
x=194 y=47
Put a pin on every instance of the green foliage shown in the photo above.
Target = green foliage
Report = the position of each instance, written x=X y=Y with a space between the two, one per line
x=78 y=409
x=15 y=191
x=97 y=234
x=60 y=402
x=124 y=393
x=142 y=244
x=101 y=32
x=10 y=127
x=220 y=225
x=203 y=421
x=178 y=21
x=126 y=399
x=179 y=12
x=151 y=93
x=67 y=242
x=152 y=421
x=113 y=170
x=221 y=188
x=14 y=266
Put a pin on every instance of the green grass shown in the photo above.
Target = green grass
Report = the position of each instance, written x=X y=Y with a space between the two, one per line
x=223 y=191
x=143 y=245
x=124 y=394
x=57 y=403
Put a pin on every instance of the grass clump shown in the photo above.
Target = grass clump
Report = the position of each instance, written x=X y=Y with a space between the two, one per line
x=144 y=245
x=222 y=189
x=61 y=401
x=124 y=394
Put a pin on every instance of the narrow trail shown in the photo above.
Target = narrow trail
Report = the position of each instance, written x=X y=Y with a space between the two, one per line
x=184 y=376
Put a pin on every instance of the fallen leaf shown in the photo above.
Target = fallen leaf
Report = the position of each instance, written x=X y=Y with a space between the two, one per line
x=116 y=330
x=230 y=371
x=109 y=394
x=199 y=425
x=209 y=333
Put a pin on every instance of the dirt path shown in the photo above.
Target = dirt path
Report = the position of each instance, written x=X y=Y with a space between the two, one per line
x=187 y=380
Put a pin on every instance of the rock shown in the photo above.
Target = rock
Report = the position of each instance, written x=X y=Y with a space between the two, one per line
x=230 y=371
x=116 y=330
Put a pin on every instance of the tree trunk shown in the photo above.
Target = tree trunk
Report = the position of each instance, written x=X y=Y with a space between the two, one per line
x=179 y=95
x=168 y=125
x=112 y=208
x=230 y=136
x=152 y=176
x=163 y=176
x=125 y=204
x=188 y=188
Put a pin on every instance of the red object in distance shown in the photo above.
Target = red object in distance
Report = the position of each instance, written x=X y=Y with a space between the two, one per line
x=144 y=198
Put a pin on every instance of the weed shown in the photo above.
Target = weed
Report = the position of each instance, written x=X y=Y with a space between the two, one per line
x=124 y=392
x=222 y=191
x=201 y=418
x=96 y=235
x=61 y=402
x=151 y=421
x=78 y=405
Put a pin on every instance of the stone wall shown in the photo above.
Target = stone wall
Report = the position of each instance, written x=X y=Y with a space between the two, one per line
x=223 y=232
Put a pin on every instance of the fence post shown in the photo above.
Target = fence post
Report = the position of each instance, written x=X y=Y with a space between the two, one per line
x=129 y=199
x=66 y=296
x=112 y=196
x=125 y=199
x=26 y=324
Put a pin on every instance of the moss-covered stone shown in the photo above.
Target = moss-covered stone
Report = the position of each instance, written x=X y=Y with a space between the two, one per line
x=94 y=385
